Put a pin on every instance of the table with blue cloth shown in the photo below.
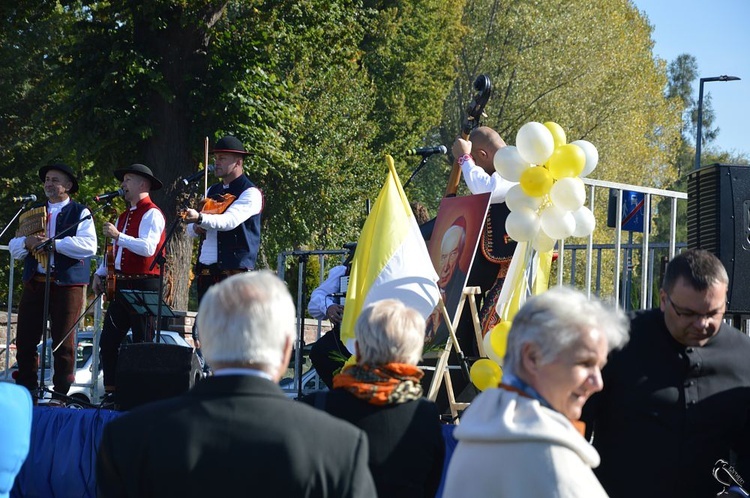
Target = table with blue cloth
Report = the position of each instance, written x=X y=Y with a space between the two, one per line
x=62 y=455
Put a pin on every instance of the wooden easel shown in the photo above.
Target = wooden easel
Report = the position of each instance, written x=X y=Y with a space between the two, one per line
x=441 y=369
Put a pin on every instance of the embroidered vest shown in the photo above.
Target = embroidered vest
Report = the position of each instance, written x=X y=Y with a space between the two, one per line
x=67 y=271
x=129 y=223
x=237 y=248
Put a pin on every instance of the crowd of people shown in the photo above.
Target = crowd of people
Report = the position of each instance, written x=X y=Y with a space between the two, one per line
x=592 y=402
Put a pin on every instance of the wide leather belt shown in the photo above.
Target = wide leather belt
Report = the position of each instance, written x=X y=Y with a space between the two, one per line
x=134 y=276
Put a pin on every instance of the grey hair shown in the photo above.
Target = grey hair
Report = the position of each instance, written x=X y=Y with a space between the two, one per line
x=247 y=319
x=556 y=319
x=388 y=331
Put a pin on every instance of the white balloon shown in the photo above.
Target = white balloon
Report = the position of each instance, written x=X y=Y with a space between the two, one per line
x=516 y=198
x=557 y=223
x=522 y=224
x=489 y=351
x=509 y=163
x=585 y=222
x=535 y=143
x=592 y=156
x=542 y=242
x=568 y=193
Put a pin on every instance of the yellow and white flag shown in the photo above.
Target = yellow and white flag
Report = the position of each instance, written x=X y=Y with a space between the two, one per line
x=391 y=260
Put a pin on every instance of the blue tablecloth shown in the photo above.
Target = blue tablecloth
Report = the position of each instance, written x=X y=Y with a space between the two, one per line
x=62 y=455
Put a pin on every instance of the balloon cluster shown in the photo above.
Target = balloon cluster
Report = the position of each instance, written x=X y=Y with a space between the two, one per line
x=547 y=204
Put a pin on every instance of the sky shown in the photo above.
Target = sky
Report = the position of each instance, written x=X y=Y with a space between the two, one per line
x=717 y=34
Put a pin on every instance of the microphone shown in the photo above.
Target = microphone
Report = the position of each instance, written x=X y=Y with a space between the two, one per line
x=109 y=195
x=427 y=151
x=198 y=175
x=25 y=198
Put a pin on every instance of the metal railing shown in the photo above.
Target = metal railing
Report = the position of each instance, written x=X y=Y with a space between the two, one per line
x=607 y=268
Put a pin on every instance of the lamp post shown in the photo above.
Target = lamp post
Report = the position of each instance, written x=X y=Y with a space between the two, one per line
x=699 y=138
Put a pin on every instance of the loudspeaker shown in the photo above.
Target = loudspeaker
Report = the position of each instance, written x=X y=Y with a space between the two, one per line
x=149 y=371
x=718 y=220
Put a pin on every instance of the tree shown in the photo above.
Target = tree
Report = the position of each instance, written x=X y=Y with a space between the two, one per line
x=310 y=95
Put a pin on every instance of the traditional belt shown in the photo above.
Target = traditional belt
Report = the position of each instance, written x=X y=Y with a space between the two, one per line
x=41 y=277
x=134 y=276
x=207 y=272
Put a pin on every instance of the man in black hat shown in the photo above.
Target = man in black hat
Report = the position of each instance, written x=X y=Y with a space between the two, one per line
x=139 y=232
x=69 y=262
x=229 y=223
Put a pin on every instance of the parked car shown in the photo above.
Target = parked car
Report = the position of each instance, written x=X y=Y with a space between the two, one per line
x=310 y=383
x=83 y=389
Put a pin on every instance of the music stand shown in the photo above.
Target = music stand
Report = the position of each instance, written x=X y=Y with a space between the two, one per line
x=146 y=302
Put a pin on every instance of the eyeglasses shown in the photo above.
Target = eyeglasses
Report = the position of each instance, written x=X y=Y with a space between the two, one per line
x=692 y=315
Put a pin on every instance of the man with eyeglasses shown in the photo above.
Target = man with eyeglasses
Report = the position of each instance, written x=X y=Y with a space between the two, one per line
x=677 y=397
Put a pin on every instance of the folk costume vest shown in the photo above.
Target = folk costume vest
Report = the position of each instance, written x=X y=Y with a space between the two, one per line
x=129 y=223
x=237 y=248
x=67 y=271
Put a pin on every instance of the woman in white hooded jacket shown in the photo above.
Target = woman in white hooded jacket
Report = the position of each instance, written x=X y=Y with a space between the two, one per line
x=521 y=439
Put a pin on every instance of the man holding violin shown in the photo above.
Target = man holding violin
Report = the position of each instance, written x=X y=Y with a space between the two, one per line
x=136 y=236
x=229 y=221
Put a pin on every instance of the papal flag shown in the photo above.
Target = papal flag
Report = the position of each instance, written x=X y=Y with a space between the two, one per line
x=391 y=260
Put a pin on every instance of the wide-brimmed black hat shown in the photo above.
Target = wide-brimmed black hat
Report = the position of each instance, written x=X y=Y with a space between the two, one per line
x=141 y=170
x=230 y=144
x=63 y=168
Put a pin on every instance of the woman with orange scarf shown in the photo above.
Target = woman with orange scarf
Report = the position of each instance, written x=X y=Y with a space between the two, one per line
x=381 y=394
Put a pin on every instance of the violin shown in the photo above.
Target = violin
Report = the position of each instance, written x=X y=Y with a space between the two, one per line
x=474 y=111
x=109 y=263
x=216 y=205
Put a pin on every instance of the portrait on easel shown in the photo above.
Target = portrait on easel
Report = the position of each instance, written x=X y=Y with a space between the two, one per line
x=454 y=240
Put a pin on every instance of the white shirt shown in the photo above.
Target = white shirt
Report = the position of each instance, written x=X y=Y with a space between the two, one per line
x=479 y=182
x=149 y=234
x=321 y=299
x=78 y=245
x=248 y=204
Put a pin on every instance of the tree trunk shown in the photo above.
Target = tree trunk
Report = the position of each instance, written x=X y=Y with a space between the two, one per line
x=181 y=49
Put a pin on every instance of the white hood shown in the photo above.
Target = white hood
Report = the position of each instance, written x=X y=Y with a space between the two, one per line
x=499 y=415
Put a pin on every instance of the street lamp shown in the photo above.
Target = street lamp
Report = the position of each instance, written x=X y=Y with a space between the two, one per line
x=698 y=139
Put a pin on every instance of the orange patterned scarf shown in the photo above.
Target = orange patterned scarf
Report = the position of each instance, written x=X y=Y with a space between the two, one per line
x=381 y=385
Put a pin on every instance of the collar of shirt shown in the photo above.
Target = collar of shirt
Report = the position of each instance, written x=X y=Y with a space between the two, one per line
x=243 y=371
x=513 y=381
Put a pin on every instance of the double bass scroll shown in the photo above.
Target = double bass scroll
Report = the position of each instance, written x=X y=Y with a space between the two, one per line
x=474 y=111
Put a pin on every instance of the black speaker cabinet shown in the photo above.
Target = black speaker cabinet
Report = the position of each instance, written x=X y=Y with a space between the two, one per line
x=718 y=220
x=149 y=372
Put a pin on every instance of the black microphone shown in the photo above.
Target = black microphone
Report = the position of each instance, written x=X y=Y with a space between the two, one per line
x=25 y=198
x=337 y=294
x=198 y=175
x=427 y=151
x=109 y=195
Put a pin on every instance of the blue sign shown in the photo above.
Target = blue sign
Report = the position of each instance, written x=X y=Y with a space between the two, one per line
x=632 y=210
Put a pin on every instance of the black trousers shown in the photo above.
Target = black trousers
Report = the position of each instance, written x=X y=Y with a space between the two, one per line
x=119 y=319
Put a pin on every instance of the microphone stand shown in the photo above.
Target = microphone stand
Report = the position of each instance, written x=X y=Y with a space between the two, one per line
x=18 y=213
x=421 y=165
x=47 y=246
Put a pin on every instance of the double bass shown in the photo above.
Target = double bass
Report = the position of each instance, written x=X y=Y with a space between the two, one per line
x=474 y=111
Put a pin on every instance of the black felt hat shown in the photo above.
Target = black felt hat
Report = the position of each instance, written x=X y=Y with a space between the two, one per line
x=141 y=170
x=230 y=144
x=64 y=168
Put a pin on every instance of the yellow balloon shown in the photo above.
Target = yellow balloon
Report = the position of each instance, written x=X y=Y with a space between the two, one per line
x=499 y=338
x=566 y=161
x=558 y=134
x=536 y=181
x=485 y=374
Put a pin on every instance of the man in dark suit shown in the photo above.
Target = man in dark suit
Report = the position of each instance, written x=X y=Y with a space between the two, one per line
x=236 y=431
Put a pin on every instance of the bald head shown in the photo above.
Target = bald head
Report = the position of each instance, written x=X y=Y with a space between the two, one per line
x=485 y=142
